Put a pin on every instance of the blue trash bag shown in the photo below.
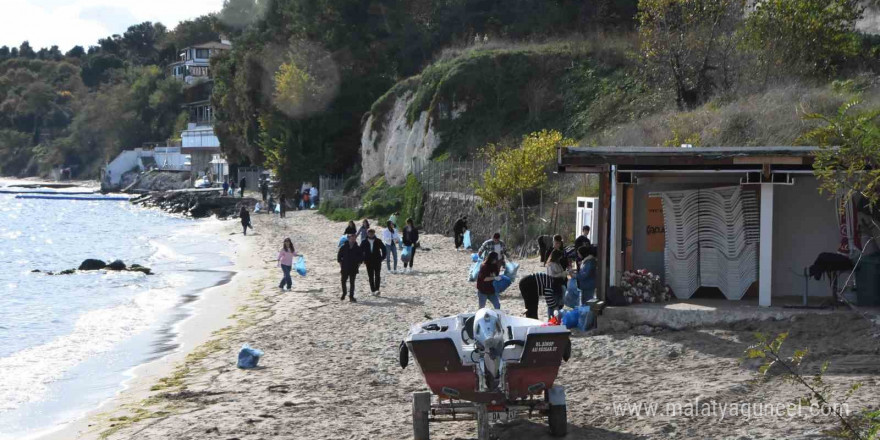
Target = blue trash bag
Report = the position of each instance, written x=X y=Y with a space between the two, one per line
x=586 y=318
x=510 y=269
x=249 y=357
x=475 y=257
x=278 y=207
x=475 y=270
x=300 y=265
x=466 y=242
x=406 y=254
x=502 y=284
x=570 y=319
x=572 y=294
x=343 y=240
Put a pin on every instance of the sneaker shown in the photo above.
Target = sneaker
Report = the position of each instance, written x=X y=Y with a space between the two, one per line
x=378 y=293
x=342 y=298
x=351 y=299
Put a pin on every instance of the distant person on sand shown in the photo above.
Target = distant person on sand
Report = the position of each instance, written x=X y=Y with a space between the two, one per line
x=245 y=217
x=494 y=245
x=305 y=200
x=410 y=238
x=390 y=238
x=362 y=232
x=559 y=245
x=242 y=184
x=297 y=199
x=350 y=257
x=314 y=196
x=489 y=271
x=264 y=189
x=226 y=187
x=533 y=286
x=231 y=187
x=351 y=228
x=282 y=205
x=458 y=229
x=374 y=252
x=285 y=260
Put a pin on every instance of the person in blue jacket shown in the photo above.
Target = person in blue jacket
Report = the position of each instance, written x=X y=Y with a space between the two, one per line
x=586 y=275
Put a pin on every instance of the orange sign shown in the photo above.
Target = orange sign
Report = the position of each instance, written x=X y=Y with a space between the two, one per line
x=656 y=229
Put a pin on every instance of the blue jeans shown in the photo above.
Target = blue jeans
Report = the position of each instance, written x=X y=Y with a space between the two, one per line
x=492 y=298
x=286 y=281
x=389 y=250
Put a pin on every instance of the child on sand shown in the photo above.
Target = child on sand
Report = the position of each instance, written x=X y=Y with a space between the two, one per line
x=489 y=271
x=285 y=260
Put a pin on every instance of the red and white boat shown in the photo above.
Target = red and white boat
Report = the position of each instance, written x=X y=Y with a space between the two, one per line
x=487 y=366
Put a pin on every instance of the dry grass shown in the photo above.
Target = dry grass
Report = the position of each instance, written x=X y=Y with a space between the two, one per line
x=772 y=117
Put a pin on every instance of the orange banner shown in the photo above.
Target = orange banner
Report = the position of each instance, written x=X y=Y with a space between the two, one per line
x=656 y=230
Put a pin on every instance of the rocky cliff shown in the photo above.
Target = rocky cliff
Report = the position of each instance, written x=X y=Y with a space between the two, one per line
x=390 y=145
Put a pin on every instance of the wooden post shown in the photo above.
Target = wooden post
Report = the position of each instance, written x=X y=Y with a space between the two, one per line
x=602 y=234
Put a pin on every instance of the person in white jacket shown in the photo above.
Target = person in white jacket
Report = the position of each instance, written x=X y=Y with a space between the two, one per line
x=390 y=238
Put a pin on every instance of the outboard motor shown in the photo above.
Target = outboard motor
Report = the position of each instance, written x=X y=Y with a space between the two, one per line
x=489 y=337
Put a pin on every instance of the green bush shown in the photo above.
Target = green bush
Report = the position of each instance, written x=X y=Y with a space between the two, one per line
x=381 y=199
x=413 y=199
x=333 y=211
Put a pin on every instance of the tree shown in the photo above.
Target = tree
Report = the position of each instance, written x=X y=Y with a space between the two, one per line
x=25 y=50
x=849 y=161
x=513 y=171
x=687 y=44
x=75 y=52
x=140 y=42
x=239 y=14
x=793 y=36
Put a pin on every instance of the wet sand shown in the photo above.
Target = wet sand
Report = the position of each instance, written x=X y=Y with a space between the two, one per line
x=330 y=369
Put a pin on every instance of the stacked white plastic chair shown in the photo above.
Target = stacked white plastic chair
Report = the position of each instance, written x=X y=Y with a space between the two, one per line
x=711 y=240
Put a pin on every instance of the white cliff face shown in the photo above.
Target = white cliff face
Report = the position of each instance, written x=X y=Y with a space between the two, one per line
x=393 y=153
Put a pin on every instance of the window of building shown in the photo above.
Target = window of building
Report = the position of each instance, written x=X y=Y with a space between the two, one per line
x=203 y=53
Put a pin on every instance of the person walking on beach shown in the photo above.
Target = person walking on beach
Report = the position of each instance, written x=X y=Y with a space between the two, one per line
x=245 y=217
x=489 y=271
x=351 y=228
x=285 y=260
x=350 y=257
x=374 y=253
x=410 y=238
x=243 y=183
x=282 y=205
x=232 y=187
x=264 y=189
x=458 y=229
x=390 y=238
x=297 y=199
x=226 y=187
x=305 y=200
x=494 y=245
x=586 y=274
x=364 y=229
x=313 y=192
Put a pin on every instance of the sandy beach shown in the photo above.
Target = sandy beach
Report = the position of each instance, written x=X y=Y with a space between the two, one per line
x=330 y=369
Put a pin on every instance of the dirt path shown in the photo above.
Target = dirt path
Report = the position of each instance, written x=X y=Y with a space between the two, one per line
x=331 y=370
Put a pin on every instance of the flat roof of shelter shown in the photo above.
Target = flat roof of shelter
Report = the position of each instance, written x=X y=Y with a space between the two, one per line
x=570 y=158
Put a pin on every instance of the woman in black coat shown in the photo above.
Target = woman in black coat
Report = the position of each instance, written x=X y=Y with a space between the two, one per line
x=245 y=217
x=410 y=238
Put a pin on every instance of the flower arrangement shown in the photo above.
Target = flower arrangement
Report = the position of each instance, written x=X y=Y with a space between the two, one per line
x=642 y=286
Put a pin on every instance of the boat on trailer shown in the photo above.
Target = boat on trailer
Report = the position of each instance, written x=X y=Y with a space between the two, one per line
x=489 y=367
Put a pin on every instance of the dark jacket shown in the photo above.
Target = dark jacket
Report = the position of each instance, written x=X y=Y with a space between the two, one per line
x=410 y=236
x=350 y=230
x=377 y=255
x=460 y=226
x=350 y=258
x=245 y=217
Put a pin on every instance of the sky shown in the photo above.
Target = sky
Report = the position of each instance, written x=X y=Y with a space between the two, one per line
x=68 y=23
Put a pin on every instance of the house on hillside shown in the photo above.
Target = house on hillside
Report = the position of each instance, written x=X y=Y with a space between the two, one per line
x=198 y=139
x=742 y=222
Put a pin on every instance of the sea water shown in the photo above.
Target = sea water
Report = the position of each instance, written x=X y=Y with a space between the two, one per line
x=67 y=342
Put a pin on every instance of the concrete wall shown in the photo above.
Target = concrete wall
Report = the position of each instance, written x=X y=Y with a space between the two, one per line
x=803 y=226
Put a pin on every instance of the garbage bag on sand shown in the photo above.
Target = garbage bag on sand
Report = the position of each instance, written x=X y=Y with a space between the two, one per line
x=475 y=270
x=475 y=257
x=278 y=207
x=406 y=254
x=249 y=357
x=343 y=240
x=301 y=265
x=572 y=294
x=586 y=318
x=510 y=270
x=466 y=242
x=502 y=284
x=570 y=319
